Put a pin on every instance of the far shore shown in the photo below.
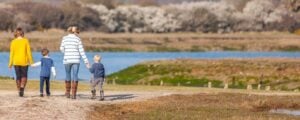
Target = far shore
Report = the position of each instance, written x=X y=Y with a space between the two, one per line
x=163 y=42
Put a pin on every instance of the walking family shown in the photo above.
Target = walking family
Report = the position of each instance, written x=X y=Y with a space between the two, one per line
x=72 y=50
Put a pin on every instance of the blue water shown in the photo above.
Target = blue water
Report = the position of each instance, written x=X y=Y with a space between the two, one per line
x=116 y=61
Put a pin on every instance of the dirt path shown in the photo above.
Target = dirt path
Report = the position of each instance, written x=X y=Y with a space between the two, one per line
x=33 y=107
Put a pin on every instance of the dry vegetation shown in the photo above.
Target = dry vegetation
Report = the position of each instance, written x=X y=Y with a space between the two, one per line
x=210 y=16
x=200 y=106
x=94 y=41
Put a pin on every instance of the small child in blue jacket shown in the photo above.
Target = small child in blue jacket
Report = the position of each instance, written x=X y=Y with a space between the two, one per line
x=98 y=71
x=47 y=66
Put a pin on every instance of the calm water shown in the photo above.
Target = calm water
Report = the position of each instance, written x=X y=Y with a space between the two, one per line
x=116 y=61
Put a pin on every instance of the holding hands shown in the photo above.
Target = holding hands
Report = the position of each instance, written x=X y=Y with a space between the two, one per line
x=88 y=65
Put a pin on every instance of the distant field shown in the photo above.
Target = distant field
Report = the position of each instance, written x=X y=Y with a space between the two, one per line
x=171 y=42
x=280 y=74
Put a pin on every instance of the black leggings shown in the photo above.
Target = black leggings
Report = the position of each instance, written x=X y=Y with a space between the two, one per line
x=21 y=71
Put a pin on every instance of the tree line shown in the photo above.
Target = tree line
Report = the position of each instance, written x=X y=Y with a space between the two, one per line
x=202 y=16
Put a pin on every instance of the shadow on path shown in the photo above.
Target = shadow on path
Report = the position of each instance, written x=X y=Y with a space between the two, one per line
x=111 y=97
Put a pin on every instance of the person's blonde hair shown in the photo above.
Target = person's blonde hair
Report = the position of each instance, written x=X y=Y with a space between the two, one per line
x=19 y=32
x=73 y=29
x=97 y=58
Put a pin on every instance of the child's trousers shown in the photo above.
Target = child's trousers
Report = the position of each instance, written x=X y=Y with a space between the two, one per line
x=98 y=81
x=42 y=82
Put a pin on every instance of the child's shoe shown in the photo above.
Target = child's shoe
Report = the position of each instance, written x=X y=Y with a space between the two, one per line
x=101 y=95
x=93 y=94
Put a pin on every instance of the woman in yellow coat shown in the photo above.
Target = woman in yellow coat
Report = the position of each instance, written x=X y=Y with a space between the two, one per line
x=20 y=58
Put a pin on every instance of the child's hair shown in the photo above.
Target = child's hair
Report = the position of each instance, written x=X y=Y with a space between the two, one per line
x=45 y=51
x=97 y=58
x=73 y=29
x=19 y=32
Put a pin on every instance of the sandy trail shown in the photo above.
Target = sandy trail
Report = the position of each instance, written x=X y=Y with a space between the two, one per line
x=33 y=107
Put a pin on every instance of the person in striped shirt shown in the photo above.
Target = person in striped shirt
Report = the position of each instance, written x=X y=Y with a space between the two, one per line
x=72 y=48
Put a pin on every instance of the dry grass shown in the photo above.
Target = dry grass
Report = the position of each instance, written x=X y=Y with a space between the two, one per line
x=94 y=41
x=200 y=106
x=208 y=104
x=33 y=85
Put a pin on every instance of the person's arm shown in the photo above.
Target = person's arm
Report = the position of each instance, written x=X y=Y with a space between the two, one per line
x=11 y=55
x=92 y=69
x=82 y=53
x=36 y=64
x=62 y=46
x=103 y=70
x=53 y=69
x=29 y=55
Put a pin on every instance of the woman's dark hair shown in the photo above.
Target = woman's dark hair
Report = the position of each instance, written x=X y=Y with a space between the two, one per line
x=19 y=32
x=45 y=51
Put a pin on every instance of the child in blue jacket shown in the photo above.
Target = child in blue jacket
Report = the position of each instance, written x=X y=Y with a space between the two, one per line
x=98 y=71
x=47 y=66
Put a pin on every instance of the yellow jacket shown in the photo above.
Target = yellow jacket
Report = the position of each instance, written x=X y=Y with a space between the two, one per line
x=20 y=53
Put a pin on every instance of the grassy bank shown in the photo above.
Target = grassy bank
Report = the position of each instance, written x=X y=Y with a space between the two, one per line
x=171 y=42
x=280 y=74
x=200 y=107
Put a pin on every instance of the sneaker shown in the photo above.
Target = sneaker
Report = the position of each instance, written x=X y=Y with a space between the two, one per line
x=48 y=95
x=41 y=95
x=101 y=99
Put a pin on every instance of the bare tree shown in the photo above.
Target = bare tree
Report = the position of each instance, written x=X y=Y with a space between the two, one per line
x=6 y=21
x=110 y=4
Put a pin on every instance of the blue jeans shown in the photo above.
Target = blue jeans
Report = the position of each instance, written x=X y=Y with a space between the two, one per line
x=42 y=81
x=74 y=68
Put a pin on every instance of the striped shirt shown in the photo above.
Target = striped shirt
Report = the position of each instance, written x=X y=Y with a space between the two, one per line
x=71 y=47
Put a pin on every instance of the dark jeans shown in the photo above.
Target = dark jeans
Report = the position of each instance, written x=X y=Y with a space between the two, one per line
x=42 y=81
x=21 y=71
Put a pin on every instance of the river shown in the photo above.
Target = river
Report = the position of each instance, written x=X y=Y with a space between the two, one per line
x=116 y=61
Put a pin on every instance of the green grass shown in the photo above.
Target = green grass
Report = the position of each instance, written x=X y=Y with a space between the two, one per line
x=278 y=73
x=141 y=74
